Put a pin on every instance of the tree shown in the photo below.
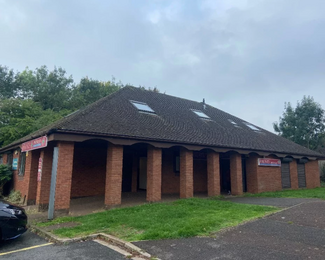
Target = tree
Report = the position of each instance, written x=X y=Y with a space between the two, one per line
x=5 y=176
x=20 y=117
x=8 y=86
x=304 y=124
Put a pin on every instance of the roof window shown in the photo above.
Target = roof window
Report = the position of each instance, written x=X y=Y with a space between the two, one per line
x=142 y=107
x=254 y=128
x=233 y=123
x=200 y=114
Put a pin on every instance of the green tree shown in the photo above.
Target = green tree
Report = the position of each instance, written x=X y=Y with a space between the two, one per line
x=304 y=124
x=89 y=91
x=51 y=89
x=8 y=86
x=5 y=176
x=20 y=117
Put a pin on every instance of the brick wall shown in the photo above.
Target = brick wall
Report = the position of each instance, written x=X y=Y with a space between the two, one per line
x=236 y=174
x=4 y=158
x=113 y=185
x=312 y=174
x=251 y=174
x=213 y=172
x=154 y=174
x=186 y=173
x=64 y=176
x=43 y=186
x=170 y=180
x=89 y=171
x=31 y=169
x=200 y=176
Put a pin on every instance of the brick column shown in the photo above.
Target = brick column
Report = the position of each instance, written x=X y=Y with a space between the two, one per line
x=114 y=166
x=252 y=174
x=312 y=174
x=64 y=176
x=186 y=173
x=213 y=167
x=31 y=168
x=135 y=167
x=43 y=186
x=294 y=175
x=154 y=174
x=236 y=175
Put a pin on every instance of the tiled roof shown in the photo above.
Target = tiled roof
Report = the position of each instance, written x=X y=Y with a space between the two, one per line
x=173 y=121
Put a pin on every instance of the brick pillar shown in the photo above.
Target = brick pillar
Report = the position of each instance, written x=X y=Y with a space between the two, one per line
x=31 y=168
x=64 y=176
x=4 y=158
x=312 y=174
x=294 y=175
x=236 y=175
x=252 y=174
x=213 y=167
x=114 y=167
x=153 y=174
x=186 y=173
x=135 y=167
x=43 y=186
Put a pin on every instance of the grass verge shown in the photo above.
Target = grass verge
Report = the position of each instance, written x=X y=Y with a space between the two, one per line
x=181 y=218
x=317 y=193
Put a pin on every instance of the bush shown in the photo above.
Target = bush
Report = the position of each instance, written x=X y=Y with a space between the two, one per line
x=5 y=176
x=14 y=197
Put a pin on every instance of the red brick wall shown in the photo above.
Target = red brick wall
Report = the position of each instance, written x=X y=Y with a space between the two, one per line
x=312 y=174
x=294 y=175
x=236 y=174
x=20 y=182
x=154 y=174
x=269 y=178
x=113 y=185
x=186 y=173
x=251 y=174
x=64 y=176
x=4 y=158
x=262 y=178
x=89 y=171
x=170 y=181
x=43 y=186
x=213 y=172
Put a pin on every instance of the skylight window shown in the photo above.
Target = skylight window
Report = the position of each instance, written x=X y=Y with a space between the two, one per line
x=200 y=114
x=254 y=128
x=233 y=123
x=142 y=107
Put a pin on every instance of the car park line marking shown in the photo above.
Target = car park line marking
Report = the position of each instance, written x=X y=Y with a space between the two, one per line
x=26 y=248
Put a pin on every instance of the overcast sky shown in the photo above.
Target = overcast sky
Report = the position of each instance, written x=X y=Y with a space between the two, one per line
x=246 y=57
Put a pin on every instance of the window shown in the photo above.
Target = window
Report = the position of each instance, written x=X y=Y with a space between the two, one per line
x=200 y=114
x=142 y=107
x=254 y=128
x=233 y=123
x=22 y=164
x=10 y=159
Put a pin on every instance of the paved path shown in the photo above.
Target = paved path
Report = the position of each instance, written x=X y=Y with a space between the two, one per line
x=31 y=246
x=295 y=233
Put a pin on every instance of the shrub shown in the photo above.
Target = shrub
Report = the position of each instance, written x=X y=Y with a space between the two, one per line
x=5 y=176
x=14 y=197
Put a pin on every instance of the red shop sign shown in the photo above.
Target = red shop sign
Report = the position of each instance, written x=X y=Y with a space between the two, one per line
x=269 y=162
x=34 y=144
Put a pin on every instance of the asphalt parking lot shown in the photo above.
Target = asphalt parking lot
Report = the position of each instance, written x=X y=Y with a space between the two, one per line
x=31 y=246
x=292 y=234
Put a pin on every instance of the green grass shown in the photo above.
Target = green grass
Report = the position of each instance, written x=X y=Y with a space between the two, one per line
x=318 y=193
x=181 y=218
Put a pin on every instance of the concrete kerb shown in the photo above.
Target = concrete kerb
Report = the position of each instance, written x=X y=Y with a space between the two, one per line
x=127 y=246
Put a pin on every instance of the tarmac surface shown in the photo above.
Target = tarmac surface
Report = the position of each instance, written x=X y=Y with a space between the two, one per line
x=294 y=233
x=31 y=246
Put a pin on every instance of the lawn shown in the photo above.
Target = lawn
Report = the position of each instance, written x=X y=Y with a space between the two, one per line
x=318 y=193
x=181 y=218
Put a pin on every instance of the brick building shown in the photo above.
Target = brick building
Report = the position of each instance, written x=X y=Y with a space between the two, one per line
x=136 y=140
